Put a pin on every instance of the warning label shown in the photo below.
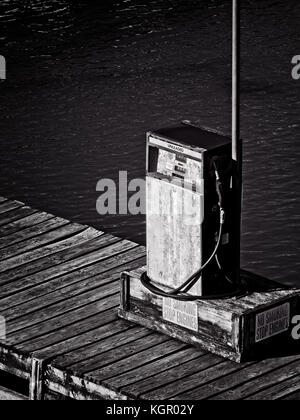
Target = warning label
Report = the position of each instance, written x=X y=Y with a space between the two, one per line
x=184 y=314
x=272 y=322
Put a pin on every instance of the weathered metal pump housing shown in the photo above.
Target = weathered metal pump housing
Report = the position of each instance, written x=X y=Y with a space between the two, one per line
x=184 y=165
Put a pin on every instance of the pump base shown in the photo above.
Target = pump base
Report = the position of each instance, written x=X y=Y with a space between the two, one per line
x=240 y=329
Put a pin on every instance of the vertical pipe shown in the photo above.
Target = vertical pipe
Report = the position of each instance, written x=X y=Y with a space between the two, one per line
x=235 y=80
x=236 y=138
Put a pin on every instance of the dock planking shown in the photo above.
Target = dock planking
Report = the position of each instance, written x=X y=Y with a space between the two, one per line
x=59 y=295
x=8 y=395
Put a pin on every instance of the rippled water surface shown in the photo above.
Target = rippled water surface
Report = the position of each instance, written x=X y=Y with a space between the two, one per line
x=87 y=79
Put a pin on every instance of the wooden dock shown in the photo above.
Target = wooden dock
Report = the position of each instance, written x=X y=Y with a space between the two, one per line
x=59 y=297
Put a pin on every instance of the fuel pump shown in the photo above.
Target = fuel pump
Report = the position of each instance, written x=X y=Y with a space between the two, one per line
x=192 y=235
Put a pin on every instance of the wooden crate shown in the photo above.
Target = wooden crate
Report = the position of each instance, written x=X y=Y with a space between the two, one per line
x=239 y=329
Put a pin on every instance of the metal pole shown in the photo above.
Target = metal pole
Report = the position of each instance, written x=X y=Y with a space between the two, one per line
x=236 y=80
x=236 y=138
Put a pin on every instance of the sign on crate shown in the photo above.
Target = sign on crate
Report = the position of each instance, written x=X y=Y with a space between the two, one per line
x=184 y=314
x=272 y=322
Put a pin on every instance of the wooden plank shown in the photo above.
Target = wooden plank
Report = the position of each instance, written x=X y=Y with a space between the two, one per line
x=22 y=241
x=75 y=233
x=62 y=340
x=260 y=300
x=82 y=246
x=7 y=395
x=3 y=199
x=146 y=389
x=190 y=387
x=56 y=380
x=14 y=363
x=53 y=396
x=18 y=214
x=91 y=354
x=274 y=385
x=73 y=387
x=145 y=364
x=25 y=223
x=34 y=343
x=60 y=299
x=240 y=379
x=94 y=330
x=54 y=307
x=126 y=258
x=64 y=292
x=66 y=319
x=83 y=259
x=294 y=396
x=52 y=311
x=280 y=390
x=12 y=200
x=36 y=380
x=193 y=387
x=8 y=206
x=119 y=361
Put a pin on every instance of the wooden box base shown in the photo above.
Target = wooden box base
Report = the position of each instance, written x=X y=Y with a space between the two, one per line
x=240 y=329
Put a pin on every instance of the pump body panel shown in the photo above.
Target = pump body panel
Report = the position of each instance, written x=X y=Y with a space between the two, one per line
x=174 y=237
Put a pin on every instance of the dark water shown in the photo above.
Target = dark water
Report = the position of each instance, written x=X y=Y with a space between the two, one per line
x=87 y=79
